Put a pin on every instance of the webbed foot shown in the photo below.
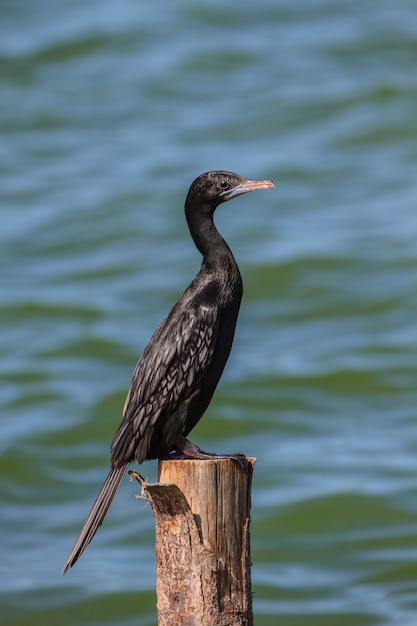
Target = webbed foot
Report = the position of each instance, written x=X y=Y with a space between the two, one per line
x=185 y=449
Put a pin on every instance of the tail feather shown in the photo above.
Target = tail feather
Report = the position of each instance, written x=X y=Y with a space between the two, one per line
x=97 y=513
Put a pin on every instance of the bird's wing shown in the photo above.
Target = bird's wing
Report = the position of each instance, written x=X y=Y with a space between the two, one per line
x=167 y=374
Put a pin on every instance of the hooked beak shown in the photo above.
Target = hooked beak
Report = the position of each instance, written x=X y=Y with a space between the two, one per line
x=245 y=186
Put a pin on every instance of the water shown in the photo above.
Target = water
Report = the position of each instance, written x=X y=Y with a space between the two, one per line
x=109 y=110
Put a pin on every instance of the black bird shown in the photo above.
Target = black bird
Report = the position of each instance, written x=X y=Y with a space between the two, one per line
x=177 y=374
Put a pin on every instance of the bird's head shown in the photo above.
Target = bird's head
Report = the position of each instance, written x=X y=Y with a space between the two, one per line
x=213 y=188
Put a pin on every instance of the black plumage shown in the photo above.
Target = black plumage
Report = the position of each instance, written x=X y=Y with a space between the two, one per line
x=175 y=378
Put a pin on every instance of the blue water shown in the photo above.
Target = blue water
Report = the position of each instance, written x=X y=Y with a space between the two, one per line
x=109 y=111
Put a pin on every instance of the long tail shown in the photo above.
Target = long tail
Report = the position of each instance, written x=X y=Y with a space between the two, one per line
x=97 y=513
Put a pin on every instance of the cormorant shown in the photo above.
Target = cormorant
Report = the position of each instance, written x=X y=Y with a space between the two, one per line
x=175 y=378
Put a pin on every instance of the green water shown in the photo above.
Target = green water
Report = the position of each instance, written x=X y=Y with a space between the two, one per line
x=108 y=112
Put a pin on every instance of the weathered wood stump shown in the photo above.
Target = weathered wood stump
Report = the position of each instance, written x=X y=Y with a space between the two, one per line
x=201 y=511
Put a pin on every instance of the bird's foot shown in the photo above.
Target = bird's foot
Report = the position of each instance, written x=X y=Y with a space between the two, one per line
x=185 y=449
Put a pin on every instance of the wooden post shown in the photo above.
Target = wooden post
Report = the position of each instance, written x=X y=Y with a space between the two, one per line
x=201 y=511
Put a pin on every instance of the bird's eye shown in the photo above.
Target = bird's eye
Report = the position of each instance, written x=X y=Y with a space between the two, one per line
x=224 y=184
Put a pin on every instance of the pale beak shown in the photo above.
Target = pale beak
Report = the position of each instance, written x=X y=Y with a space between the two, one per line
x=245 y=186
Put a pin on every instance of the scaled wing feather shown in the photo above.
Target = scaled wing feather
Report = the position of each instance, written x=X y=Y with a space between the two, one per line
x=167 y=374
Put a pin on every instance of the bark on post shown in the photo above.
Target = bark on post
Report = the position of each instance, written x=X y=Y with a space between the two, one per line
x=201 y=511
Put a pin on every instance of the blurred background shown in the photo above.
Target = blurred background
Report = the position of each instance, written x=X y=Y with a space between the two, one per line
x=108 y=112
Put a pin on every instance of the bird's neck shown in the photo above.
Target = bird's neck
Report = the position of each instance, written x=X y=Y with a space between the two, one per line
x=209 y=241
